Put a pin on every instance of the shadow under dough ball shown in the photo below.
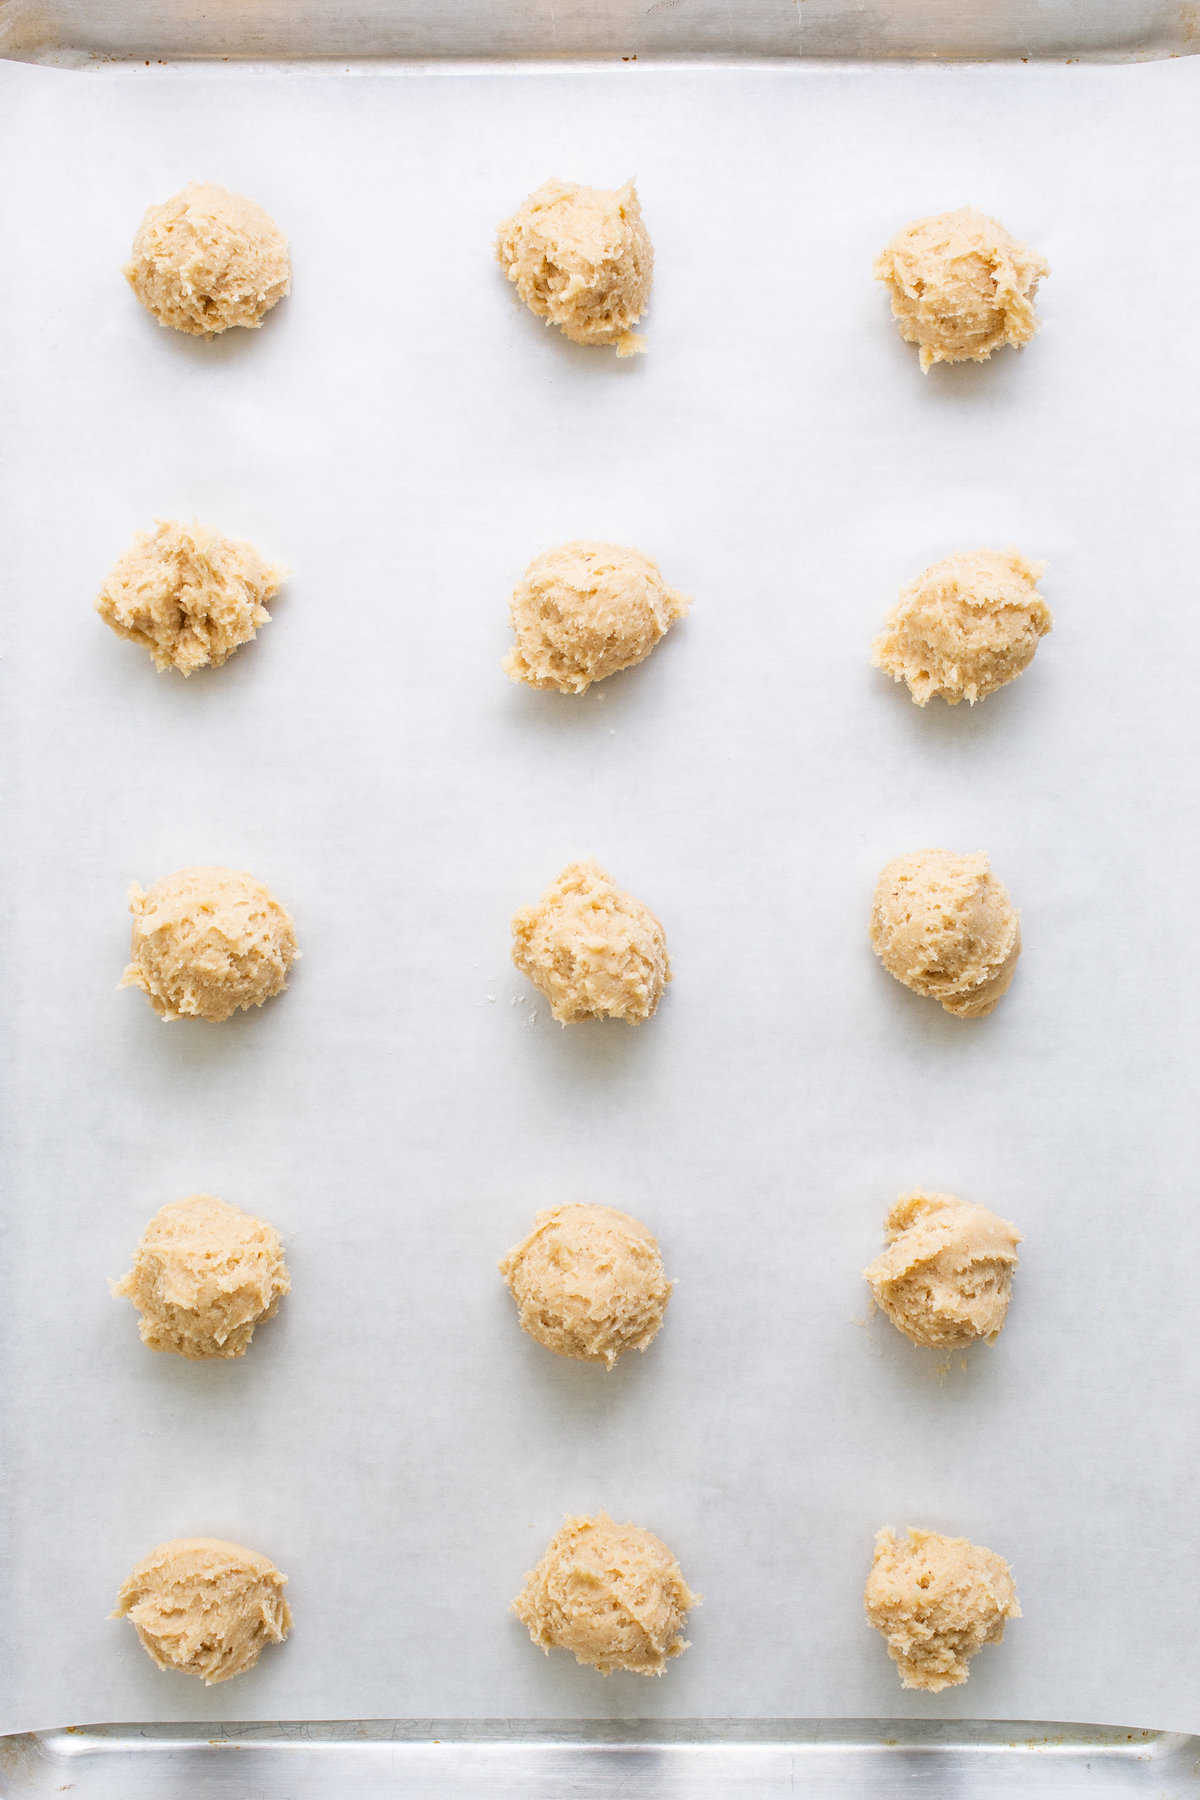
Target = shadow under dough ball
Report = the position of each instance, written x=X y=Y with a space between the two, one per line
x=589 y=1283
x=207 y=260
x=944 y=925
x=961 y=286
x=581 y=258
x=208 y=942
x=205 y=1607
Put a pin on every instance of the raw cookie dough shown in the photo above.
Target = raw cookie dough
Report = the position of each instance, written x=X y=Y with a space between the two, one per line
x=187 y=595
x=937 y=1600
x=611 y=1594
x=944 y=926
x=581 y=258
x=588 y=1282
x=594 y=951
x=584 y=611
x=945 y=1278
x=207 y=259
x=964 y=627
x=961 y=286
x=206 y=1607
x=203 y=1276
x=208 y=942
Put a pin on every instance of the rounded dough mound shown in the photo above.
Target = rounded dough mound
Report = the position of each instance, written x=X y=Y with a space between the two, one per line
x=584 y=611
x=188 y=595
x=594 y=951
x=203 y=1276
x=937 y=1601
x=945 y=1278
x=961 y=286
x=611 y=1594
x=589 y=1283
x=944 y=926
x=205 y=1607
x=207 y=943
x=581 y=258
x=964 y=627
x=206 y=260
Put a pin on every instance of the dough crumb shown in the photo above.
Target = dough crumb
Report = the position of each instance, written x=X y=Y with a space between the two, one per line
x=944 y=926
x=188 y=595
x=611 y=1594
x=203 y=1276
x=937 y=1601
x=964 y=627
x=206 y=260
x=586 y=610
x=945 y=1278
x=205 y=1607
x=594 y=951
x=581 y=258
x=589 y=1283
x=207 y=943
x=961 y=286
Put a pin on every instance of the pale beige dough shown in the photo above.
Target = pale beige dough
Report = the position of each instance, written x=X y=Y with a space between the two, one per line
x=207 y=943
x=205 y=1607
x=964 y=627
x=588 y=1282
x=188 y=595
x=204 y=1275
x=961 y=286
x=593 y=950
x=581 y=258
x=944 y=925
x=206 y=260
x=613 y=1595
x=945 y=1278
x=585 y=610
x=937 y=1601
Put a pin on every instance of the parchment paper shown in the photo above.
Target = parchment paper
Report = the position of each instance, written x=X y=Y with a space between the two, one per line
x=406 y=438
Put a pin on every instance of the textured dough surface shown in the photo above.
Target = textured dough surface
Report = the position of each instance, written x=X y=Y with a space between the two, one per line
x=964 y=627
x=205 y=1607
x=593 y=950
x=944 y=925
x=945 y=1278
x=613 y=1595
x=188 y=595
x=206 y=260
x=207 y=943
x=961 y=286
x=588 y=1282
x=204 y=1275
x=937 y=1601
x=581 y=258
x=584 y=611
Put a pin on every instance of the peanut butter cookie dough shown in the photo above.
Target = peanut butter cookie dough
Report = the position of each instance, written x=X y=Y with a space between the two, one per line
x=589 y=1283
x=944 y=926
x=204 y=1275
x=584 y=611
x=188 y=595
x=593 y=950
x=961 y=286
x=964 y=627
x=945 y=1278
x=937 y=1601
x=205 y=1607
x=206 y=260
x=207 y=943
x=611 y=1594
x=581 y=258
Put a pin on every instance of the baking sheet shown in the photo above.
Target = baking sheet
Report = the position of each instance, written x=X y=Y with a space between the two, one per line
x=406 y=438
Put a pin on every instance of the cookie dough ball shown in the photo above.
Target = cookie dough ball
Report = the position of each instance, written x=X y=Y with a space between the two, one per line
x=613 y=1595
x=964 y=628
x=581 y=258
x=206 y=260
x=589 y=1283
x=586 y=610
x=594 y=951
x=205 y=1607
x=188 y=596
x=204 y=1275
x=961 y=287
x=207 y=943
x=945 y=1278
x=937 y=1601
x=944 y=926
